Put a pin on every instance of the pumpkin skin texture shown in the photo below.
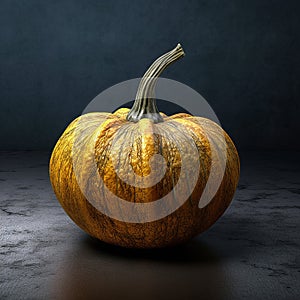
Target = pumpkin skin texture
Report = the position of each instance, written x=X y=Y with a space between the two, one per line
x=94 y=144
x=184 y=223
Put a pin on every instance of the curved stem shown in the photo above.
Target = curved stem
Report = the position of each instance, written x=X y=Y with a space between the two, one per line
x=144 y=105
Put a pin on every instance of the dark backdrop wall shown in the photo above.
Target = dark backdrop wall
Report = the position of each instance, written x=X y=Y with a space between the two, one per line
x=242 y=56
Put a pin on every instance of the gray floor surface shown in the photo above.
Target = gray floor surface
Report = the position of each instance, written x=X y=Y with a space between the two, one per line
x=252 y=252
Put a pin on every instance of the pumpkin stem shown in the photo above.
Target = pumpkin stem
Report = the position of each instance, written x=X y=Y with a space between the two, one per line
x=144 y=105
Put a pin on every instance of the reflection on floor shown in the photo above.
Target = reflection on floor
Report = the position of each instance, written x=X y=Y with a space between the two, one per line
x=252 y=252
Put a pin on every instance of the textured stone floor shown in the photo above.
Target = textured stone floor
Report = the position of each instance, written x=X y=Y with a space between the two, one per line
x=252 y=252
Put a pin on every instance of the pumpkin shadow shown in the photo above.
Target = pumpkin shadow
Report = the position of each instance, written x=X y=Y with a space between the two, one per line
x=96 y=270
x=190 y=252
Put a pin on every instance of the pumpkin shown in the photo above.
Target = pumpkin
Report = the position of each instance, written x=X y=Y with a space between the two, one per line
x=110 y=171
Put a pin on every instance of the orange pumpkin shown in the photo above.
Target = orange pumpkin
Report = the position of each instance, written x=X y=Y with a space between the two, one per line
x=111 y=171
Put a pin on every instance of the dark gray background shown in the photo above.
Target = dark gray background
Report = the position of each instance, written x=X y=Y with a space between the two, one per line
x=242 y=56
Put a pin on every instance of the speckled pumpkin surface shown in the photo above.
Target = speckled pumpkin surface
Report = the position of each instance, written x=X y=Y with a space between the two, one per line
x=104 y=154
